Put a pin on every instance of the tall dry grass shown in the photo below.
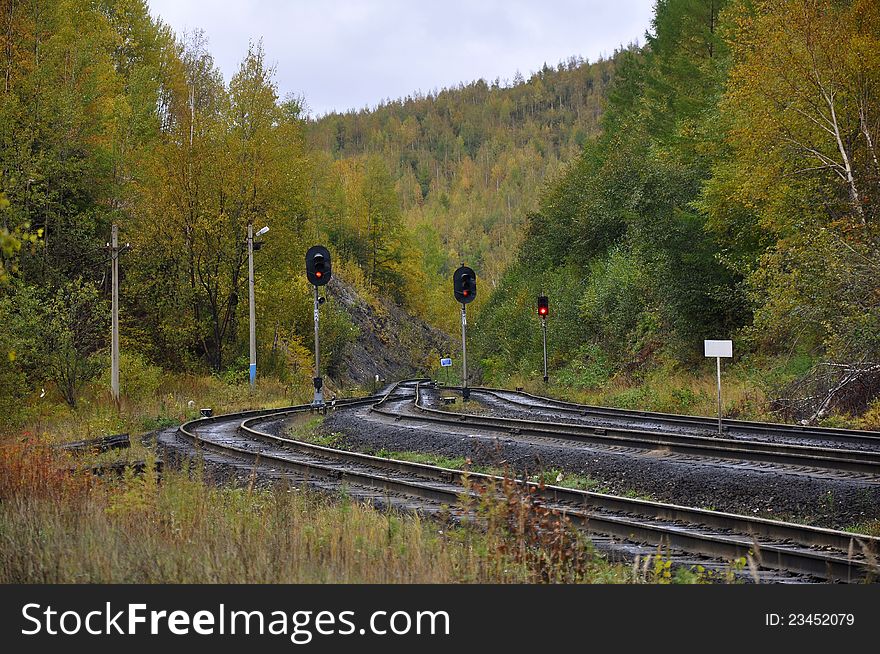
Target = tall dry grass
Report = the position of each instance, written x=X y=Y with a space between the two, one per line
x=668 y=391
x=176 y=400
x=61 y=528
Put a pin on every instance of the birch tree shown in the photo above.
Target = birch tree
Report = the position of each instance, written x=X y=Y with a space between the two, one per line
x=804 y=93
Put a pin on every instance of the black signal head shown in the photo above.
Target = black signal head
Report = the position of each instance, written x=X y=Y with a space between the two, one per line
x=464 y=284
x=543 y=306
x=318 y=266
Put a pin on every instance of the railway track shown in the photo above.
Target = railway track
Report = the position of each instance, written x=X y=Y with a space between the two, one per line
x=698 y=425
x=798 y=549
x=864 y=463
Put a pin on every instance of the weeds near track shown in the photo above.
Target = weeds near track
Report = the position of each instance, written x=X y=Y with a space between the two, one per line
x=524 y=533
x=58 y=527
x=62 y=527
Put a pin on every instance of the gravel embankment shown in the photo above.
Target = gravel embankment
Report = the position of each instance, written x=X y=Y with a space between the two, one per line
x=714 y=484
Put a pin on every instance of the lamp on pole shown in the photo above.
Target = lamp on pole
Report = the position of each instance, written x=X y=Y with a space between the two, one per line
x=252 y=308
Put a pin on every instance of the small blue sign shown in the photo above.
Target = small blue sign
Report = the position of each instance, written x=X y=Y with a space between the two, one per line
x=445 y=362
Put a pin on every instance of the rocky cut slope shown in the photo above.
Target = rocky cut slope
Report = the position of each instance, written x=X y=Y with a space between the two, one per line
x=390 y=342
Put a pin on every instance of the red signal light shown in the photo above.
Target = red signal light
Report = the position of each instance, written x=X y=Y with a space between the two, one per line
x=318 y=268
x=543 y=306
x=464 y=284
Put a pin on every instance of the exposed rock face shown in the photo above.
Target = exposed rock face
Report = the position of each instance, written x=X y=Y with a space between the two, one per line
x=391 y=343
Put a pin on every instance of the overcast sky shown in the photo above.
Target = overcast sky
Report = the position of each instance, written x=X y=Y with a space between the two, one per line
x=348 y=54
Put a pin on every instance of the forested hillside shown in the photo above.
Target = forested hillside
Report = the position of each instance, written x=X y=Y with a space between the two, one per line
x=720 y=180
x=468 y=164
x=107 y=117
x=734 y=191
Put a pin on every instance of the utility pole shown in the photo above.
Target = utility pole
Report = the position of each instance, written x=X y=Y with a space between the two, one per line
x=251 y=310
x=114 y=335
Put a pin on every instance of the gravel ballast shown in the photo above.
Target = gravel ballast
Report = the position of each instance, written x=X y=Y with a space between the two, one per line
x=825 y=500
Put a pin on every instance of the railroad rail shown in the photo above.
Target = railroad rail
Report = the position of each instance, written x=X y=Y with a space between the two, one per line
x=677 y=422
x=97 y=445
x=817 y=552
x=800 y=456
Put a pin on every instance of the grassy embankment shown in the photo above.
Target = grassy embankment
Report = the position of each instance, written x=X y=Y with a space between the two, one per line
x=56 y=526
x=62 y=527
x=748 y=387
x=173 y=401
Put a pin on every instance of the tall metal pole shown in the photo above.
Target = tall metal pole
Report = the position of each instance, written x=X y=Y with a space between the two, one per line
x=252 y=309
x=544 y=329
x=114 y=335
x=465 y=393
x=718 y=363
x=319 y=394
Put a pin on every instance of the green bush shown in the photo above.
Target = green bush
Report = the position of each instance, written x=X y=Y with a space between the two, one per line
x=13 y=389
x=589 y=369
x=139 y=380
x=631 y=398
x=237 y=373
x=684 y=400
x=615 y=304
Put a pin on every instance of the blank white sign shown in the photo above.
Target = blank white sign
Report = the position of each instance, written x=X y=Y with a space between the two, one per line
x=718 y=348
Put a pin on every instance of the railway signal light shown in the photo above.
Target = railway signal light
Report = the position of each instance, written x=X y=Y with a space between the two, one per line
x=464 y=284
x=544 y=311
x=319 y=271
x=318 y=267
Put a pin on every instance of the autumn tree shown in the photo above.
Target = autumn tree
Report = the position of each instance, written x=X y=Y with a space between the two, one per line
x=804 y=96
x=381 y=214
x=73 y=330
x=78 y=101
x=617 y=235
x=794 y=195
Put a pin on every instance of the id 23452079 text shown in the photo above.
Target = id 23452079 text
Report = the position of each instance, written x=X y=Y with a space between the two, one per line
x=809 y=619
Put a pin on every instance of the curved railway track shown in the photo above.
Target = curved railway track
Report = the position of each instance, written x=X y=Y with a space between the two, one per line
x=697 y=425
x=816 y=552
x=864 y=463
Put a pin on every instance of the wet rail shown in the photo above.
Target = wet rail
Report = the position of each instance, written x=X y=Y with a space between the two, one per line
x=699 y=425
x=866 y=464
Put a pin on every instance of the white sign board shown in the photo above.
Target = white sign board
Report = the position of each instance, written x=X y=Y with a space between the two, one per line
x=718 y=348
x=445 y=362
